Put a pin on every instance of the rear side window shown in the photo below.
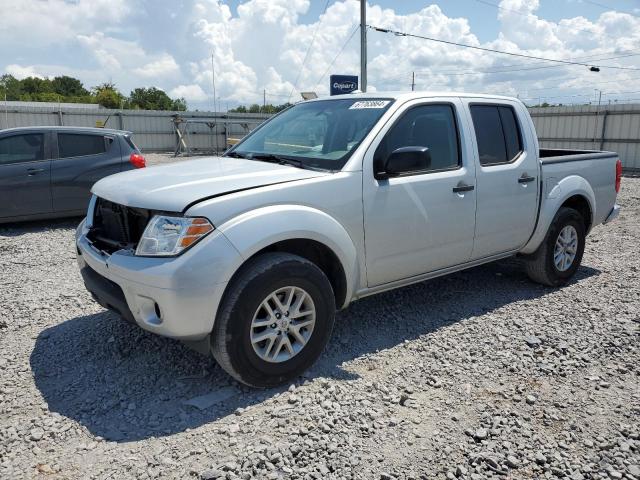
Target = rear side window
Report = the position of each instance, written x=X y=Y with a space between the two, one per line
x=129 y=141
x=431 y=126
x=497 y=133
x=78 y=145
x=22 y=148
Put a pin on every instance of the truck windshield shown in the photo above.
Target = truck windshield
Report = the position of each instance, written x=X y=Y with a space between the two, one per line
x=319 y=134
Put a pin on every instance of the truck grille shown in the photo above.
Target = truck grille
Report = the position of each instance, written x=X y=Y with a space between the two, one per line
x=117 y=227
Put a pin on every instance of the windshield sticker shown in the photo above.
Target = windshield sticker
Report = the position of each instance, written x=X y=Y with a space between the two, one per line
x=370 y=104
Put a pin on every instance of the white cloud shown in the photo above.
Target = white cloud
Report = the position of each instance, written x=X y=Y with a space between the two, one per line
x=21 y=72
x=56 y=21
x=191 y=93
x=165 y=66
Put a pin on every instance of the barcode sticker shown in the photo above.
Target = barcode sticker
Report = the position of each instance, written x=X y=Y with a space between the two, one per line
x=369 y=104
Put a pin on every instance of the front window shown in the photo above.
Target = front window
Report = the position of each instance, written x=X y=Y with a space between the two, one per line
x=319 y=134
x=22 y=148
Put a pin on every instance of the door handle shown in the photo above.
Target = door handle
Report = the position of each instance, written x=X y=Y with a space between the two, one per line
x=32 y=171
x=463 y=188
x=526 y=179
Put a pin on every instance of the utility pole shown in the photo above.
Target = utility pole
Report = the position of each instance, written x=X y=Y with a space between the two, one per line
x=213 y=80
x=413 y=81
x=6 y=111
x=264 y=100
x=595 y=123
x=363 y=45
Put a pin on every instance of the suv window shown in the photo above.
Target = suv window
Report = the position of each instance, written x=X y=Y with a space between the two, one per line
x=78 y=145
x=497 y=133
x=22 y=148
x=431 y=126
x=129 y=141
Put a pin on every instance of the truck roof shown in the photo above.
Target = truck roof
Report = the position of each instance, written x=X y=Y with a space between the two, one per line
x=403 y=95
x=48 y=128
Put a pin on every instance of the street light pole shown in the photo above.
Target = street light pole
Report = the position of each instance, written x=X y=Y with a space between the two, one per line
x=363 y=45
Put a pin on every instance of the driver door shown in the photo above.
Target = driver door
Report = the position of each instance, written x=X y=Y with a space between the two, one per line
x=421 y=221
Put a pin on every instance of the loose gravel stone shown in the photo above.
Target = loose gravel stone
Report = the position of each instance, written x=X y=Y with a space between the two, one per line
x=428 y=381
x=533 y=341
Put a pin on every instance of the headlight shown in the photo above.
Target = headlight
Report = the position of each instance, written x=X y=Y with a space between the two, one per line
x=168 y=236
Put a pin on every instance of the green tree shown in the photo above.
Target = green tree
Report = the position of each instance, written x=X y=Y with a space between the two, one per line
x=35 y=85
x=255 y=108
x=10 y=86
x=108 y=95
x=47 y=97
x=68 y=86
x=179 y=105
x=154 y=99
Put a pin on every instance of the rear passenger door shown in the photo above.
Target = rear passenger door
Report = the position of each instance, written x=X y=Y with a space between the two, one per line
x=82 y=159
x=25 y=174
x=506 y=176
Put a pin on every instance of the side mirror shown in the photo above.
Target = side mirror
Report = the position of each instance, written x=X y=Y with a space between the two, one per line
x=405 y=160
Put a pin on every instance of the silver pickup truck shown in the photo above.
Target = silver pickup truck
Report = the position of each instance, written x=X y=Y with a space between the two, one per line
x=250 y=254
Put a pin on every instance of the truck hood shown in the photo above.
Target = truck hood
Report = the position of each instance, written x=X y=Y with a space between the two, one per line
x=175 y=186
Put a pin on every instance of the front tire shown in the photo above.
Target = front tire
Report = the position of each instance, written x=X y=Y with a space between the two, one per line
x=558 y=257
x=274 y=321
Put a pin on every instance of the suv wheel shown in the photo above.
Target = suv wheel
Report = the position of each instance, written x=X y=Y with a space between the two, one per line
x=558 y=257
x=274 y=321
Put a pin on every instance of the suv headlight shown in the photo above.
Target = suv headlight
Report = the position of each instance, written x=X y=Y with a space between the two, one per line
x=168 y=236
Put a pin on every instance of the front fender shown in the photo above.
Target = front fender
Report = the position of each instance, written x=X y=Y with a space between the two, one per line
x=554 y=196
x=257 y=229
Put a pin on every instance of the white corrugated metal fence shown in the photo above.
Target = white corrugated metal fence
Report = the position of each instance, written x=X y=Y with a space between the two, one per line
x=609 y=127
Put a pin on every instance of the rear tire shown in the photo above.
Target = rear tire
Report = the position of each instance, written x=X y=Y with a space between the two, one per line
x=559 y=255
x=254 y=307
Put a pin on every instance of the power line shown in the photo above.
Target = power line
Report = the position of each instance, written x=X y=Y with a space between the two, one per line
x=487 y=72
x=338 y=54
x=269 y=94
x=499 y=7
x=306 y=55
x=578 y=95
x=591 y=84
x=607 y=7
x=491 y=50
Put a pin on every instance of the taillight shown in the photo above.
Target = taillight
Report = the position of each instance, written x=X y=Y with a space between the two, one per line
x=137 y=160
x=618 y=175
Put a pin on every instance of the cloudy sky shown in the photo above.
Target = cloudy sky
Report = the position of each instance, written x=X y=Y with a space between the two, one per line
x=262 y=45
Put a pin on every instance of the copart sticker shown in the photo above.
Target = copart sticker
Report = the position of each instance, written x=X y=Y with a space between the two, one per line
x=370 y=104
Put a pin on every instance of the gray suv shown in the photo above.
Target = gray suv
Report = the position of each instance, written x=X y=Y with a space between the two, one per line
x=47 y=172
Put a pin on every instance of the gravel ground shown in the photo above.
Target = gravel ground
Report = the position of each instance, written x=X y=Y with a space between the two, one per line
x=481 y=374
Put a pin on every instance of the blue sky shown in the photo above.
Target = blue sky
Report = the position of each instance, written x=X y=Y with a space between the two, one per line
x=263 y=45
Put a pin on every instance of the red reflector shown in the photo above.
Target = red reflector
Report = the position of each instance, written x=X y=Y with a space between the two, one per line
x=137 y=160
x=618 y=175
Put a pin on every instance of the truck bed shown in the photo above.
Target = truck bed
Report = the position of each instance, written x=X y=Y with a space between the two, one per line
x=560 y=155
x=590 y=170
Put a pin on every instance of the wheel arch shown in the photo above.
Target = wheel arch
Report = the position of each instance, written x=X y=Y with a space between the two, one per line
x=581 y=204
x=572 y=191
x=317 y=236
